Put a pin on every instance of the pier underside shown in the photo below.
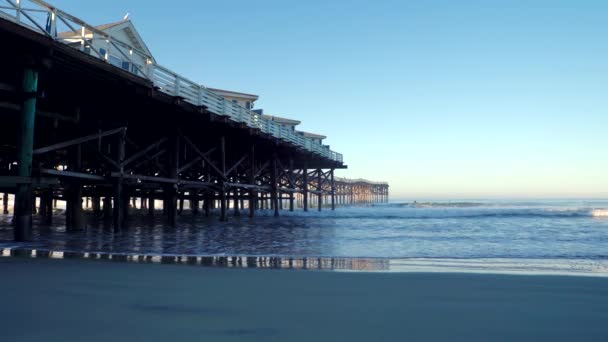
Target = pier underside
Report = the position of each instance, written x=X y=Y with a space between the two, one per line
x=76 y=127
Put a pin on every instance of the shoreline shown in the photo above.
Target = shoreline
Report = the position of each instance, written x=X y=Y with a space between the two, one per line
x=508 y=266
x=73 y=300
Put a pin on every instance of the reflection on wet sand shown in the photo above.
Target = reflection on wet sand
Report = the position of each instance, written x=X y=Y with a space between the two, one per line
x=354 y=264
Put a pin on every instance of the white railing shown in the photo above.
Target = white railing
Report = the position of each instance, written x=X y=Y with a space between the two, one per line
x=50 y=21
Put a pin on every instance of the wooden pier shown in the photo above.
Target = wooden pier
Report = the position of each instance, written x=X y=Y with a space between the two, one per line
x=77 y=128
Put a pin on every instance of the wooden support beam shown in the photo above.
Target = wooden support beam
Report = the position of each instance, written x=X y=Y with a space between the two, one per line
x=293 y=185
x=96 y=205
x=150 y=159
x=72 y=174
x=144 y=178
x=186 y=184
x=222 y=181
x=38 y=182
x=305 y=188
x=143 y=152
x=236 y=202
x=5 y=203
x=320 y=188
x=262 y=168
x=151 y=204
x=333 y=191
x=235 y=165
x=78 y=141
x=99 y=153
x=25 y=145
x=47 y=199
x=205 y=158
x=74 y=191
x=274 y=194
x=119 y=195
x=252 y=193
x=50 y=115
x=194 y=161
x=171 y=190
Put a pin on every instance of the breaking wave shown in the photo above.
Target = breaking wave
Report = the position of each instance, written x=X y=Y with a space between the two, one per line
x=450 y=211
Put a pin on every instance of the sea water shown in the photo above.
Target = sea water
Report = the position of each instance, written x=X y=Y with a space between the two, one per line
x=557 y=235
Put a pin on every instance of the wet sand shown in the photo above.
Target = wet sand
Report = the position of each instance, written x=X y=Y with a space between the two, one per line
x=73 y=300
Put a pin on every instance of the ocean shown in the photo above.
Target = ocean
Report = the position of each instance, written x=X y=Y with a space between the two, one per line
x=557 y=236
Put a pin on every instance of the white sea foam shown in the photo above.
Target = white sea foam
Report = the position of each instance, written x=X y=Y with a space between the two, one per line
x=599 y=213
x=431 y=212
x=577 y=267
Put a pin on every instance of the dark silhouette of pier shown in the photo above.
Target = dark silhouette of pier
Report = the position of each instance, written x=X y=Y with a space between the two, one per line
x=79 y=129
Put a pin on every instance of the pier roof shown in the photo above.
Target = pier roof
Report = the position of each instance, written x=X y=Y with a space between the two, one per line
x=282 y=120
x=223 y=92
x=312 y=135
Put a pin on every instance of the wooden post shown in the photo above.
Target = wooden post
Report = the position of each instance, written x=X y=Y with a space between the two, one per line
x=75 y=196
x=236 y=202
x=305 y=188
x=107 y=207
x=333 y=191
x=171 y=189
x=222 y=185
x=25 y=148
x=119 y=196
x=252 y=193
x=320 y=188
x=274 y=187
x=151 y=204
x=292 y=187
x=5 y=203
x=47 y=198
x=207 y=202
x=194 y=203
x=96 y=204
x=74 y=193
x=181 y=205
x=42 y=207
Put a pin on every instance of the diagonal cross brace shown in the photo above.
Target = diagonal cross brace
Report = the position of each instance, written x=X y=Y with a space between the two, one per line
x=78 y=141
x=235 y=165
x=143 y=152
x=205 y=158
x=194 y=162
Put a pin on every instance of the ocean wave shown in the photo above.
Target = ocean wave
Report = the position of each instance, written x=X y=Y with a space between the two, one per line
x=400 y=212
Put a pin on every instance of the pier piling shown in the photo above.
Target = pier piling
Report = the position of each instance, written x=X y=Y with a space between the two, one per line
x=25 y=150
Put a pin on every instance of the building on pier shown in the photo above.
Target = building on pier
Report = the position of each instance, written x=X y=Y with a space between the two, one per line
x=128 y=51
x=79 y=124
x=241 y=99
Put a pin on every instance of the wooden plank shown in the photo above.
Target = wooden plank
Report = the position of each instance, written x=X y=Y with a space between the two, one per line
x=72 y=174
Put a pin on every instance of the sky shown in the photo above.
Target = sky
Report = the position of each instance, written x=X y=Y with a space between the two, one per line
x=442 y=99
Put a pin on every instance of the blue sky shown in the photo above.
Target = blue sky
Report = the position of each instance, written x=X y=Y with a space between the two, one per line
x=443 y=99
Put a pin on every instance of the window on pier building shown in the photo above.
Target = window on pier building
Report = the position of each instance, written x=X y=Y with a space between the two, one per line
x=137 y=69
x=248 y=104
x=116 y=61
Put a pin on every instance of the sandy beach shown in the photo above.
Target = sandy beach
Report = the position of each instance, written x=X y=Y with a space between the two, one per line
x=74 y=300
